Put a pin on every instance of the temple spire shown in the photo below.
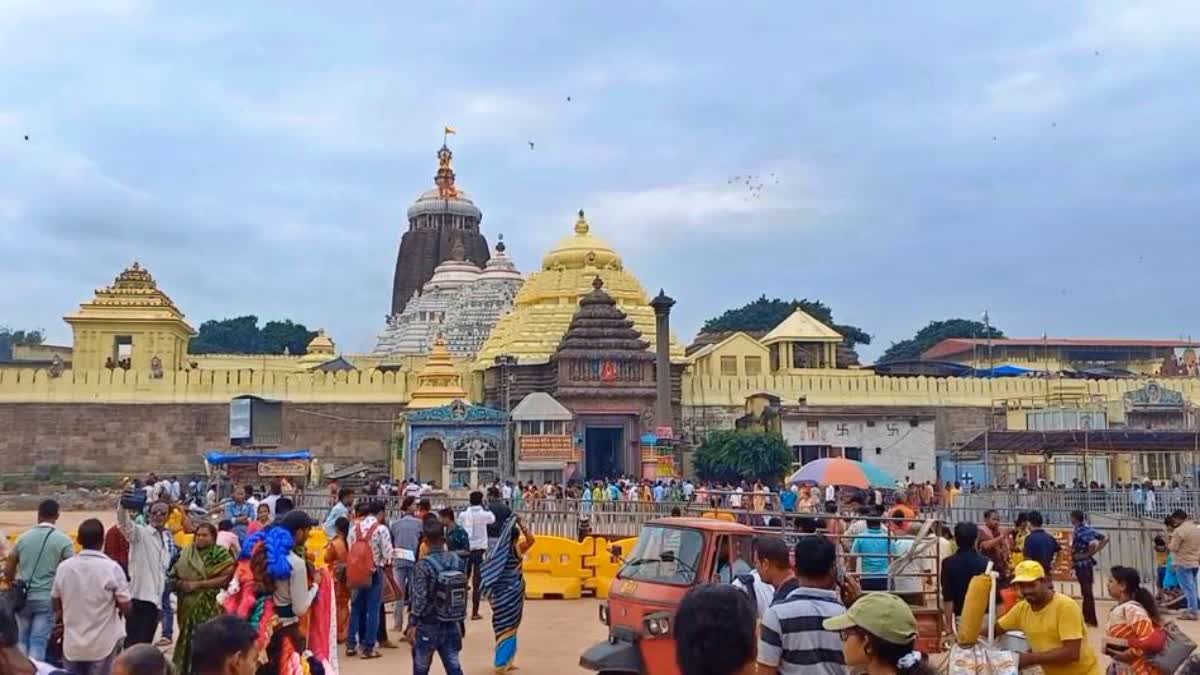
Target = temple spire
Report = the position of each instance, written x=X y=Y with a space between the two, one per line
x=581 y=225
x=444 y=179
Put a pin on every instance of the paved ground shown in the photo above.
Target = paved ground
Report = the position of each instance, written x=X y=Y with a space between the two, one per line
x=552 y=636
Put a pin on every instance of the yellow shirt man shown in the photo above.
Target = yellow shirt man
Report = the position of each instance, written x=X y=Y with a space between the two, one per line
x=1046 y=629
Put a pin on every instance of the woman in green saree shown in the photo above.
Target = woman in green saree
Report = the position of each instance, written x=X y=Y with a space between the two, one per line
x=202 y=570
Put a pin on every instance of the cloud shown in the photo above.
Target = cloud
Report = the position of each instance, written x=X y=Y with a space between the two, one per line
x=791 y=197
x=262 y=162
x=1026 y=92
x=1140 y=25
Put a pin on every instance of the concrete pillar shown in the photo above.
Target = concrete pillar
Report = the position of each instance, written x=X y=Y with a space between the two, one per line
x=662 y=305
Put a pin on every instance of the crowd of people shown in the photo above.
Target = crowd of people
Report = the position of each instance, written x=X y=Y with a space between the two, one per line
x=809 y=614
x=244 y=595
x=442 y=558
x=132 y=590
x=229 y=601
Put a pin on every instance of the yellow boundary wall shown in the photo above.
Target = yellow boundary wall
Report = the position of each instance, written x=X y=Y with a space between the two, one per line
x=819 y=387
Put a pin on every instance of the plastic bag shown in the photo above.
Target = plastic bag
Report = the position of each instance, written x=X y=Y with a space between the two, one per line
x=980 y=660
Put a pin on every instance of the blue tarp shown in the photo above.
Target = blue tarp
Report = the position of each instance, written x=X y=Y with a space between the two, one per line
x=218 y=457
x=1002 y=371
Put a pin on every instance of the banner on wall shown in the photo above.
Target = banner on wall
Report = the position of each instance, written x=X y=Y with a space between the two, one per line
x=287 y=467
x=546 y=448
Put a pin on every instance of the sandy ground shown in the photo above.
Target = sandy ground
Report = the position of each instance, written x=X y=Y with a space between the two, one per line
x=15 y=522
x=553 y=634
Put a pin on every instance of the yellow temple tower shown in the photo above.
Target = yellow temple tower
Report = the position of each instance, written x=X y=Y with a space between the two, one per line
x=544 y=306
x=129 y=325
x=438 y=383
x=321 y=349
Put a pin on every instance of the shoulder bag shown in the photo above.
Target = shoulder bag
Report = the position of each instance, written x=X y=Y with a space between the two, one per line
x=1176 y=649
x=18 y=591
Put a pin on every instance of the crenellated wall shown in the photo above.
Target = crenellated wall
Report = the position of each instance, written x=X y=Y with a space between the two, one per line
x=823 y=387
x=199 y=386
x=850 y=387
x=117 y=420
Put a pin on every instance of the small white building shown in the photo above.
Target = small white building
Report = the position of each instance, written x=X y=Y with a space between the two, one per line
x=898 y=439
x=545 y=439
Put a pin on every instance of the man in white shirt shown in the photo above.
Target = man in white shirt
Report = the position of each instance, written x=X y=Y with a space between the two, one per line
x=412 y=489
x=830 y=493
x=506 y=490
x=90 y=594
x=475 y=521
x=151 y=488
x=273 y=497
x=735 y=500
x=151 y=548
x=250 y=498
x=366 y=602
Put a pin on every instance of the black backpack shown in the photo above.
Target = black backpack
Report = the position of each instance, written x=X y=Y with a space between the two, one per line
x=449 y=588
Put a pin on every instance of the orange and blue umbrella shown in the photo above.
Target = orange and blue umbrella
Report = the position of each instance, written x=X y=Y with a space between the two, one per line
x=838 y=471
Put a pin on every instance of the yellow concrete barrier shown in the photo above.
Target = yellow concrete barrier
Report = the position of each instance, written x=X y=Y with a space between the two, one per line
x=554 y=568
x=604 y=565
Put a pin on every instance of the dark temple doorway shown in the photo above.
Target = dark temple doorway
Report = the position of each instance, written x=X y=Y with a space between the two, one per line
x=603 y=451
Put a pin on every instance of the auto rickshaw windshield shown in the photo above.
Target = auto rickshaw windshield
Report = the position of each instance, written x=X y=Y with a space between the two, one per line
x=668 y=555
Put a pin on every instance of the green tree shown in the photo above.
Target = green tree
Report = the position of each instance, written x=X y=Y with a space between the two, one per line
x=280 y=335
x=10 y=338
x=763 y=315
x=735 y=455
x=241 y=335
x=934 y=333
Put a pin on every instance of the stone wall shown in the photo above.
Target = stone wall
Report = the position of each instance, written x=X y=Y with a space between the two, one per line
x=108 y=438
x=817 y=387
x=861 y=387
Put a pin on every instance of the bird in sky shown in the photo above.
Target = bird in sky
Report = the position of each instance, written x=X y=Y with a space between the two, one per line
x=26 y=137
x=568 y=99
x=531 y=145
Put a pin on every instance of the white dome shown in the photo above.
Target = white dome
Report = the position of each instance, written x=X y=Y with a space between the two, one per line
x=500 y=267
x=452 y=274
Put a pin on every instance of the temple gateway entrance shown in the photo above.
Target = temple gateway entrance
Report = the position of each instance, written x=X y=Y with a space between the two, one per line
x=602 y=447
x=431 y=457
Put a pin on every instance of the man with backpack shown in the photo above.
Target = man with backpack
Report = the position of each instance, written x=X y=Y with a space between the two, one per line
x=438 y=604
x=369 y=558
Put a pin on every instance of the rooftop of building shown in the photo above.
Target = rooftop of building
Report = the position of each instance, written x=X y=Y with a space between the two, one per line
x=801 y=327
x=133 y=295
x=540 y=406
x=953 y=346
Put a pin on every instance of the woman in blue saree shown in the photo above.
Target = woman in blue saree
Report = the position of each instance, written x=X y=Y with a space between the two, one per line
x=504 y=586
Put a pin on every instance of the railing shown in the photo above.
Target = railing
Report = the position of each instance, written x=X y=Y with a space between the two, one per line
x=1131 y=537
x=1113 y=503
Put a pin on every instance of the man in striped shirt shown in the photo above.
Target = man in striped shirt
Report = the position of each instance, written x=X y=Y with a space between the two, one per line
x=792 y=639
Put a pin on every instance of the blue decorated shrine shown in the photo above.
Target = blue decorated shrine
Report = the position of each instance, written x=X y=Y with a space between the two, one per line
x=456 y=445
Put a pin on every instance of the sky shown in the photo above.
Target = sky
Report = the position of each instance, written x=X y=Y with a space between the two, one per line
x=919 y=161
